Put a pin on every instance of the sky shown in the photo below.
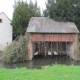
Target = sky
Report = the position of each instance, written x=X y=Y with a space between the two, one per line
x=6 y=6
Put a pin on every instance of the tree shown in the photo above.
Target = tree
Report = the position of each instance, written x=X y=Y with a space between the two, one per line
x=21 y=16
x=63 y=10
x=34 y=10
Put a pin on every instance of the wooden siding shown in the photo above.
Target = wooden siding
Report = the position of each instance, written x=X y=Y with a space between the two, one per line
x=53 y=37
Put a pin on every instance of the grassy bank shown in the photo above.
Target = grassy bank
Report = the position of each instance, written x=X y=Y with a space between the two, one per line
x=55 y=72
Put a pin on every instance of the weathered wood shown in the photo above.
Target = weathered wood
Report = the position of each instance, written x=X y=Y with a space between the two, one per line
x=57 y=47
x=45 y=48
x=51 y=47
x=53 y=37
x=66 y=50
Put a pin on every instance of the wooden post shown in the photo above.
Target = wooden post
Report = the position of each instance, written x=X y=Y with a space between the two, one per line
x=60 y=49
x=33 y=48
x=57 y=47
x=39 y=48
x=51 y=48
x=66 y=50
x=45 y=48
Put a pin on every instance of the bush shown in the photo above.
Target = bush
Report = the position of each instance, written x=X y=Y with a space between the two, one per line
x=1 y=52
x=17 y=51
x=1 y=55
x=79 y=37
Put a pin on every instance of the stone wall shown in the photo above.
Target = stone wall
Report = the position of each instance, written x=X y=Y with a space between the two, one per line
x=30 y=50
x=76 y=48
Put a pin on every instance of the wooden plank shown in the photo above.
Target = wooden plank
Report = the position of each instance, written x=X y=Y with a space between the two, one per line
x=53 y=37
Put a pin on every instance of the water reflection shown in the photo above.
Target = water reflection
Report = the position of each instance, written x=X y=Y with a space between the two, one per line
x=37 y=63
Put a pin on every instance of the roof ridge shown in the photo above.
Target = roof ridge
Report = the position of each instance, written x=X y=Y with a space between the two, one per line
x=5 y=15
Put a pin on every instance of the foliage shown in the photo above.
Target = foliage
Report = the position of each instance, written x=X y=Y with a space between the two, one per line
x=34 y=10
x=1 y=52
x=56 y=72
x=1 y=55
x=17 y=51
x=63 y=10
x=21 y=16
x=79 y=37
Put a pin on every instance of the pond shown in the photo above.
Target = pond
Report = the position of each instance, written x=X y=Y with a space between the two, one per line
x=37 y=63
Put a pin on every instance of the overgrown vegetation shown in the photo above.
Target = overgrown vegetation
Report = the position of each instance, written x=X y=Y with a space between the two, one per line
x=1 y=52
x=17 y=51
x=1 y=55
x=56 y=72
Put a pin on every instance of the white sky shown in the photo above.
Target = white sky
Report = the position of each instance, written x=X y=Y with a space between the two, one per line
x=6 y=6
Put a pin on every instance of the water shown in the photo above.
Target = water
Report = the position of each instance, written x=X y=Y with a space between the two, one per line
x=37 y=63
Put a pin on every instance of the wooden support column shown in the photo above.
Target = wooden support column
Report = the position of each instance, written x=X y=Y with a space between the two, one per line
x=39 y=47
x=45 y=48
x=57 y=47
x=66 y=50
x=51 y=47
x=60 y=49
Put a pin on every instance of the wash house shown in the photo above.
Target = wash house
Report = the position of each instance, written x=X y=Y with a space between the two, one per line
x=49 y=37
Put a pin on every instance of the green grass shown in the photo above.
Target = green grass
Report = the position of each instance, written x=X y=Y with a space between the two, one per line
x=56 y=72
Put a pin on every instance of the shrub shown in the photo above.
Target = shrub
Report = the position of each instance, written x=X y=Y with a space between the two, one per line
x=1 y=55
x=79 y=37
x=1 y=52
x=17 y=50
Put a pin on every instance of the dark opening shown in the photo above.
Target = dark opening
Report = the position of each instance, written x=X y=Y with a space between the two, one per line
x=0 y=20
x=52 y=49
x=59 y=47
x=63 y=46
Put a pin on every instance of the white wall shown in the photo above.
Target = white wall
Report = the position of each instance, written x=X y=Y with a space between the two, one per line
x=5 y=31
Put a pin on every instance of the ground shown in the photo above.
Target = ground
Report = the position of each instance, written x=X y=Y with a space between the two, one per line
x=56 y=72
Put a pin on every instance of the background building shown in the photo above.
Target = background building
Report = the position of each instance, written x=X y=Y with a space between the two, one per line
x=5 y=31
